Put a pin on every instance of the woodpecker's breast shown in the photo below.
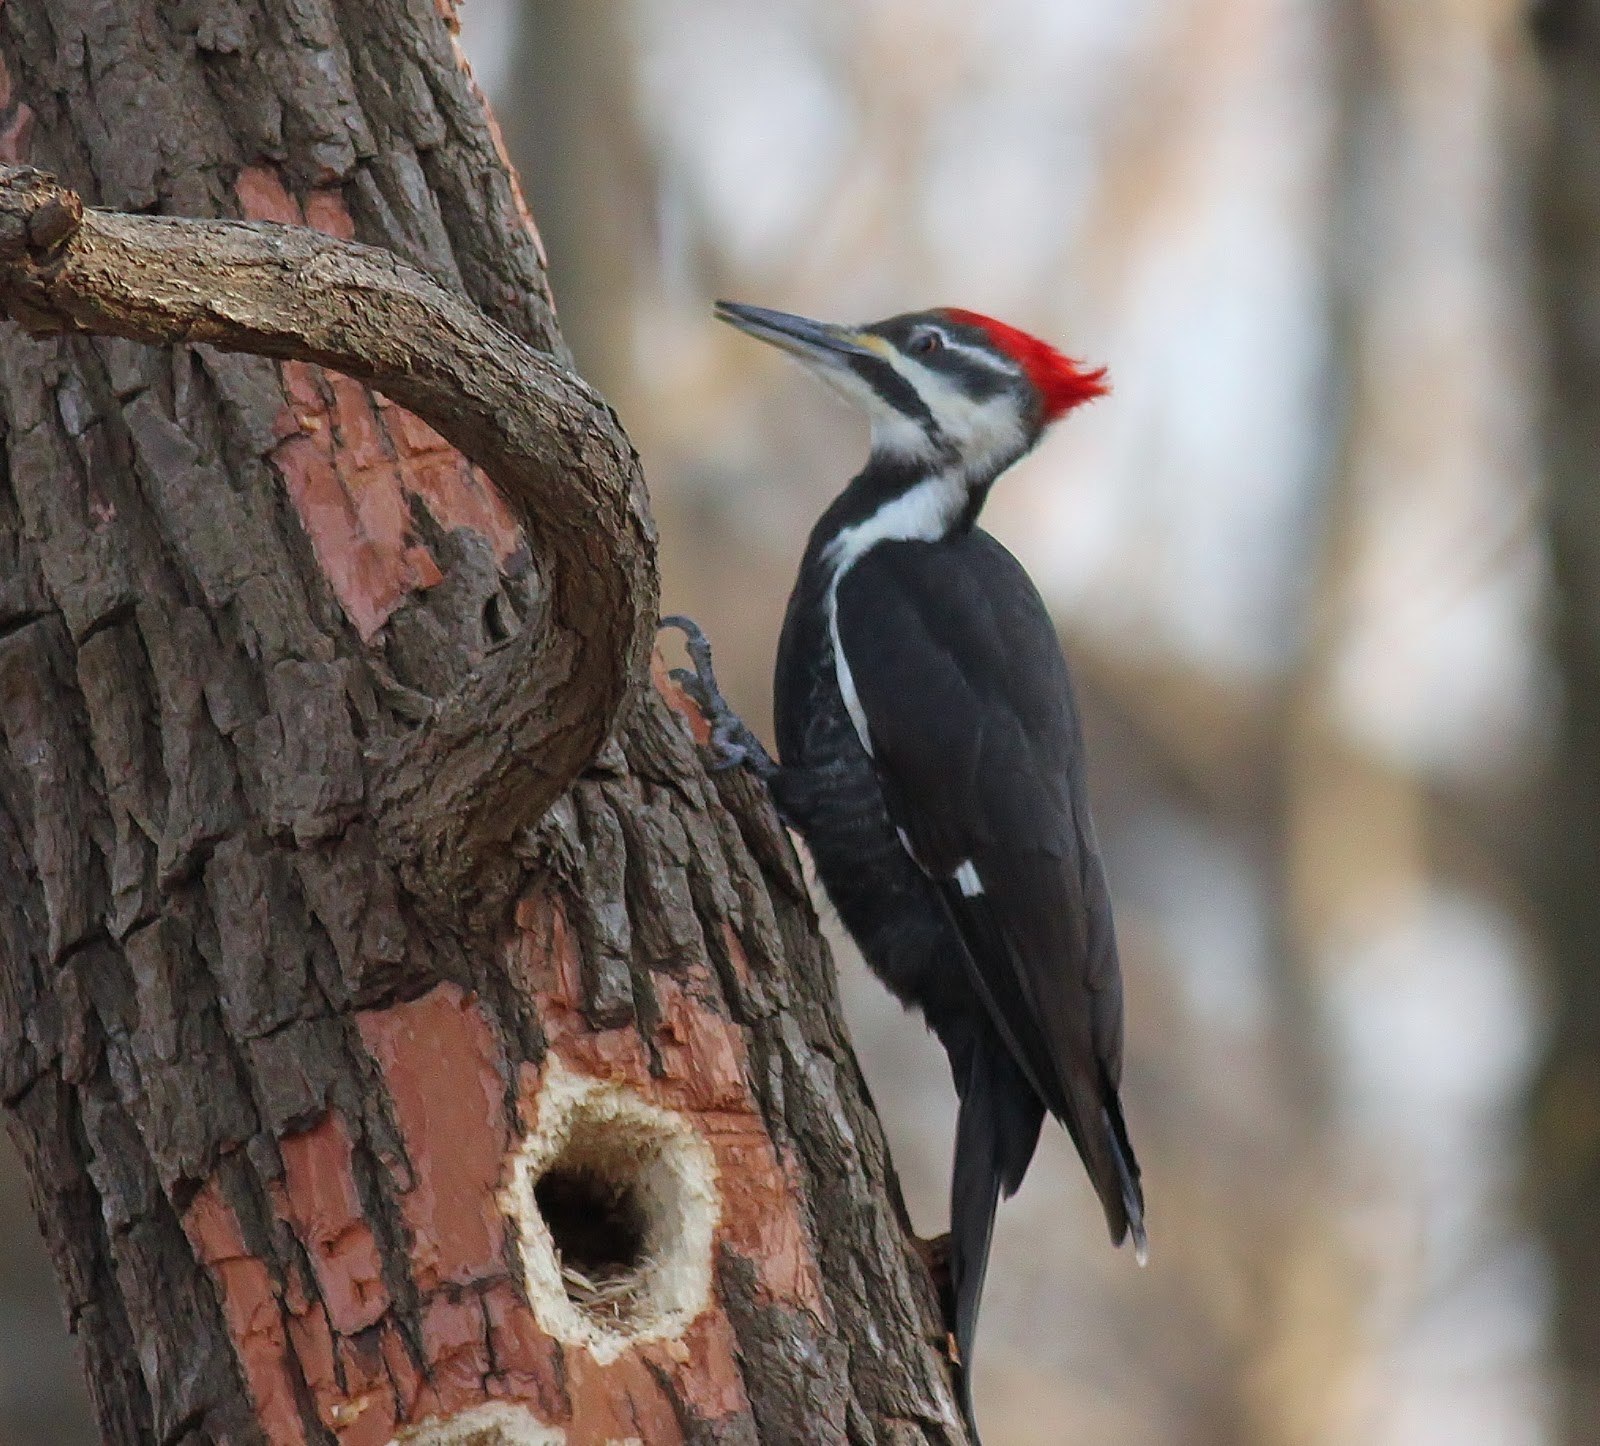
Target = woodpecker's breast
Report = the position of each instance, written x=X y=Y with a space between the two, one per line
x=884 y=504
x=830 y=790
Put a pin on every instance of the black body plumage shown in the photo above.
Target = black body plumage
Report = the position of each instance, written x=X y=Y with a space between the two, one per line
x=932 y=759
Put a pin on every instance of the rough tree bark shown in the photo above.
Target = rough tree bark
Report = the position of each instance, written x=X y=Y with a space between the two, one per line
x=403 y=1035
x=1565 y=1127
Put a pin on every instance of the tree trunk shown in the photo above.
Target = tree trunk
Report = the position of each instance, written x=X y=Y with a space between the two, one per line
x=1566 y=1118
x=359 y=1084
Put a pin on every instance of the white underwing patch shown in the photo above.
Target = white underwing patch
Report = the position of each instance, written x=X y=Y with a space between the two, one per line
x=845 y=678
x=984 y=435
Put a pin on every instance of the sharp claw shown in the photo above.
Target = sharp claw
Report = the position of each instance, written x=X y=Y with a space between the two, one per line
x=732 y=744
x=731 y=749
x=693 y=687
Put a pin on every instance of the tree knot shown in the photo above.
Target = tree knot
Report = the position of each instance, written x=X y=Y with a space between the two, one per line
x=38 y=216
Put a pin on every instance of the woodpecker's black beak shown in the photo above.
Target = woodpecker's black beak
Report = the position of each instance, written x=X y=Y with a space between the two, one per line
x=809 y=340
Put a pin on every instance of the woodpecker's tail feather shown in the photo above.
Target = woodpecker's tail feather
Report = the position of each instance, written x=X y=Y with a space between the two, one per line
x=974 y=1194
x=996 y=1133
x=1128 y=1177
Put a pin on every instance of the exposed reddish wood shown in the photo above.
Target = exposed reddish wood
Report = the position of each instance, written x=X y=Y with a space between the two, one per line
x=15 y=136
x=446 y=1083
x=620 y=1402
x=315 y=1354
x=326 y=211
x=530 y=1367
x=443 y=1074
x=319 y=1198
x=253 y=1312
x=16 y=121
x=455 y=1343
x=350 y=458
x=358 y=524
x=262 y=196
x=365 y=1412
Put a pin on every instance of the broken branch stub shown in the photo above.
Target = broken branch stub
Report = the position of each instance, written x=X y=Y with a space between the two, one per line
x=494 y=755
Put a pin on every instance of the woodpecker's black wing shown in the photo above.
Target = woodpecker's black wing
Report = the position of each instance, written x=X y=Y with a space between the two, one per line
x=974 y=734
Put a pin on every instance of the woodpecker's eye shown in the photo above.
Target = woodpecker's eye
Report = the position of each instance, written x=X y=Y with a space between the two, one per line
x=925 y=343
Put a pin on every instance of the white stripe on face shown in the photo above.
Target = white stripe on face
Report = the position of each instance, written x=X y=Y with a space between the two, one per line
x=984 y=434
x=979 y=435
x=981 y=356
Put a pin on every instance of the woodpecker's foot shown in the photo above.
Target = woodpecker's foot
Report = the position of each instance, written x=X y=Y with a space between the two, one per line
x=732 y=743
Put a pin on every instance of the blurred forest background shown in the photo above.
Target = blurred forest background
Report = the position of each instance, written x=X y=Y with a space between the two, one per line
x=1327 y=566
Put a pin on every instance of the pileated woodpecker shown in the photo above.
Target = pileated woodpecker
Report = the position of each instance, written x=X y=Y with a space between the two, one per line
x=933 y=762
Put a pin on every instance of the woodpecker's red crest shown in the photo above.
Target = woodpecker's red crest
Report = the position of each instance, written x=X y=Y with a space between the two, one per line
x=1061 y=382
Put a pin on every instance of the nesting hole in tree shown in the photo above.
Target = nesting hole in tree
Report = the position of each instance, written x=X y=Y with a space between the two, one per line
x=616 y=1204
x=598 y=1228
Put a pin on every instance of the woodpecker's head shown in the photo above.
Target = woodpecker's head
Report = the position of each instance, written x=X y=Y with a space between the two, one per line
x=944 y=389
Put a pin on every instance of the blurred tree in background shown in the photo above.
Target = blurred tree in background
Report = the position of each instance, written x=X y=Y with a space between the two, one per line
x=1565 y=1136
x=1302 y=564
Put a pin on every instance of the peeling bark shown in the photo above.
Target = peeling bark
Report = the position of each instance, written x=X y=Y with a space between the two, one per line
x=343 y=842
x=556 y=452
